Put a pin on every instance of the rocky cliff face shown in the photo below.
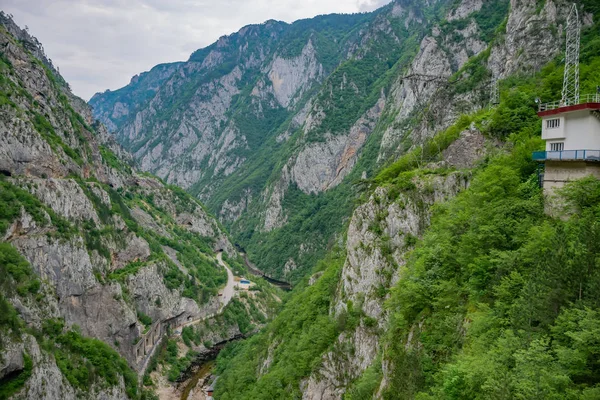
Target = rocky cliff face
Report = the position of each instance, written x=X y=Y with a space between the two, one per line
x=201 y=139
x=102 y=250
x=380 y=233
x=112 y=112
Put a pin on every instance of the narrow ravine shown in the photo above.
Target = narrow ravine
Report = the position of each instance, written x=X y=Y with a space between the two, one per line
x=195 y=380
x=257 y=272
x=191 y=387
x=227 y=294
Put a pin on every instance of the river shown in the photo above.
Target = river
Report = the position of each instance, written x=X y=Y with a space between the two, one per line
x=196 y=383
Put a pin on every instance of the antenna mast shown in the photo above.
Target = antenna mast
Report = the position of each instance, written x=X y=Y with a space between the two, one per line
x=570 y=92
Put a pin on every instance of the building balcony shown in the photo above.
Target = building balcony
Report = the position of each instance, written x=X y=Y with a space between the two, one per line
x=567 y=155
x=583 y=99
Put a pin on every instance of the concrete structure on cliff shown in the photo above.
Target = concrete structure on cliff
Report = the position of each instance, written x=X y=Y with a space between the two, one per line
x=571 y=126
x=572 y=135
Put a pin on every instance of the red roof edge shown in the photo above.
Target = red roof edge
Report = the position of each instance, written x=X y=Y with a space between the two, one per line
x=578 y=107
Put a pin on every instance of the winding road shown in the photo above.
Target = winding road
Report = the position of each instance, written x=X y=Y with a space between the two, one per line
x=228 y=291
x=227 y=294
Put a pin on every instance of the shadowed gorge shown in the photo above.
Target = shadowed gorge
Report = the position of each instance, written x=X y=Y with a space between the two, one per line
x=395 y=204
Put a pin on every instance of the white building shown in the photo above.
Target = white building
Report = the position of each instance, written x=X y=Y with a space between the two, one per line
x=572 y=135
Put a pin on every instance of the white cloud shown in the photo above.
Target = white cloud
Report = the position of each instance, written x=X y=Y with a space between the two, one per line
x=370 y=5
x=100 y=44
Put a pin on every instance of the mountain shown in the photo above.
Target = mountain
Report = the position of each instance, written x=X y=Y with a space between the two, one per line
x=98 y=261
x=366 y=159
x=452 y=280
x=277 y=127
x=274 y=124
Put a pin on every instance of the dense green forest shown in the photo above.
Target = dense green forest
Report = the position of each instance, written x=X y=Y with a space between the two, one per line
x=504 y=295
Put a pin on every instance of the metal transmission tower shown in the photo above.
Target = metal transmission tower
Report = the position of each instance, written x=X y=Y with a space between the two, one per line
x=495 y=96
x=570 y=92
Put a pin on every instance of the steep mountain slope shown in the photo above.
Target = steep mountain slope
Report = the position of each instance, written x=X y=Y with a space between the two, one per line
x=451 y=281
x=276 y=126
x=97 y=261
x=443 y=277
x=113 y=108
x=263 y=121
x=196 y=125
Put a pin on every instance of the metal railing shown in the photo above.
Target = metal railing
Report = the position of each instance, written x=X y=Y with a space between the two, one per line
x=583 y=99
x=567 y=155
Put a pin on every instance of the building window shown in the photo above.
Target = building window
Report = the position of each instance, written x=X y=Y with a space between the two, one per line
x=560 y=146
x=553 y=123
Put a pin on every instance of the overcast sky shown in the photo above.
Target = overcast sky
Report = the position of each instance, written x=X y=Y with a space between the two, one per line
x=101 y=44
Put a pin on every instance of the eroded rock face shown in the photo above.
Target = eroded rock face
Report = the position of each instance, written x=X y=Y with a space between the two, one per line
x=423 y=88
x=466 y=8
x=68 y=272
x=133 y=248
x=400 y=220
x=12 y=359
x=430 y=64
x=532 y=38
x=150 y=81
x=222 y=161
x=154 y=299
x=66 y=265
x=232 y=210
x=178 y=159
x=23 y=151
x=470 y=45
x=47 y=382
x=414 y=90
x=274 y=215
x=196 y=223
x=204 y=138
x=319 y=166
x=322 y=166
x=466 y=150
x=290 y=77
x=87 y=224
x=352 y=354
x=146 y=220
